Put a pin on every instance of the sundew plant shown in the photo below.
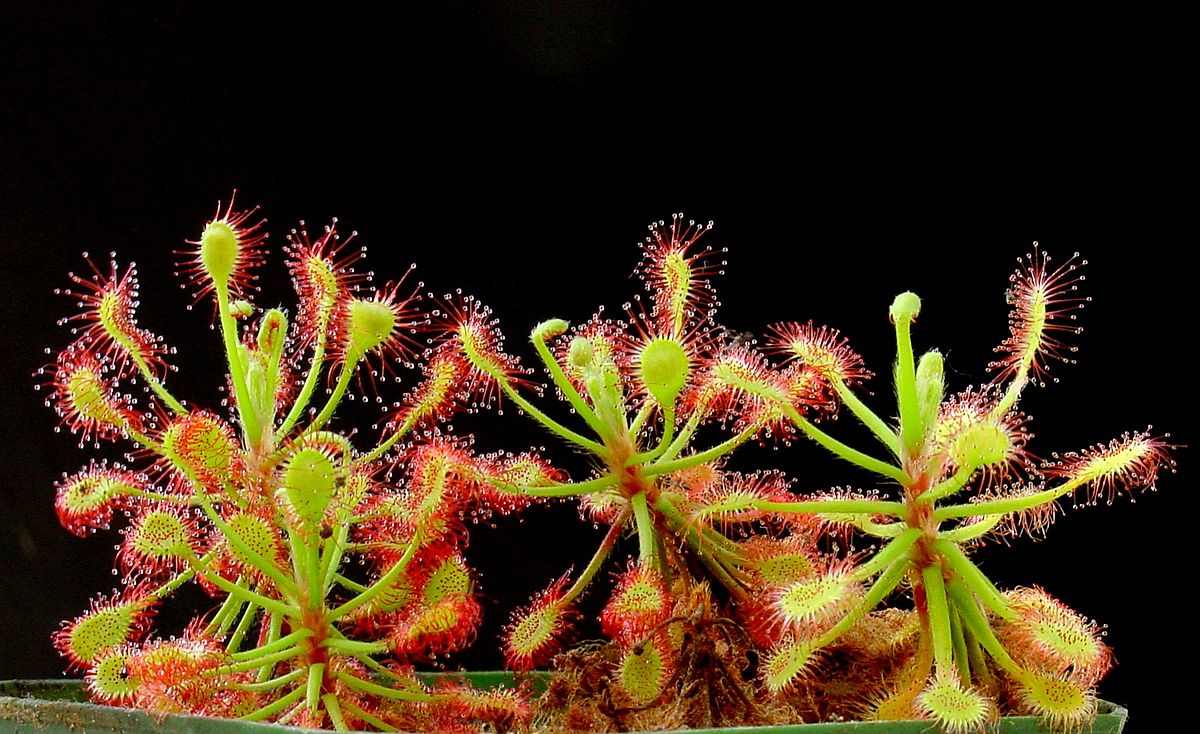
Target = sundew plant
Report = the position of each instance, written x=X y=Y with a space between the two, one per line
x=963 y=476
x=334 y=568
x=956 y=649
x=336 y=565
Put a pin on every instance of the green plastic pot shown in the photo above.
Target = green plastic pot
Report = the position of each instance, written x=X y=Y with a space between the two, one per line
x=59 y=707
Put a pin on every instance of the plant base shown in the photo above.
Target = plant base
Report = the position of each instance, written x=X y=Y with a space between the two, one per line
x=60 y=707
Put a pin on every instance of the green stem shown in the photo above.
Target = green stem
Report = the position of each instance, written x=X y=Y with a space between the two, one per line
x=263 y=601
x=247 y=665
x=363 y=686
x=155 y=384
x=974 y=579
x=1013 y=392
x=310 y=384
x=682 y=439
x=911 y=430
x=559 y=490
x=581 y=406
x=312 y=568
x=881 y=429
x=887 y=555
x=391 y=440
x=239 y=632
x=663 y=442
x=736 y=584
x=350 y=584
x=947 y=486
x=181 y=578
x=645 y=531
x=879 y=530
x=385 y=671
x=834 y=507
x=160 y=497
x=335 y=712
x=143 y=439
x=1007 y=505
x=235 y=612
x=549 y=423
x=939 y=618
x=377 y=588
x=979 y=626
x=721 y=562
x=283 y=643
x=225 y=613
x=286 y=585
x=355 y=647
x=266 y=686
x=237 y=368
x=378 y=724
x=274 y=628
x=275 y=706
x=702 y=539
x=331 y=556
x=842 y=451
x=662 y=466
x=963 y=533
x=962 y=658
x=979 y=665
x=636 y=425
x=593 y=567
x=884 y=585
x=316 y=677
x=339 y=391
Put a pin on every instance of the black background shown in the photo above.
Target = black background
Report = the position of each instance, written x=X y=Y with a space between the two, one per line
x=517 y=151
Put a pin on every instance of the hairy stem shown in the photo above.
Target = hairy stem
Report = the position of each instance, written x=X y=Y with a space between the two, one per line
x=974 y=579
x=581 y=406
x=884 y=585
x=663 y=443
x=559 y=490
x=593 y=567
x=842 y=451
x=287 y=642
x=275 y=706
x=664 y=467
x=333 y=708
x=251 y=429
x=911 y=429
x=947 y=486
x=390 y=441
x=1007 y=505
x=979 y=626
x=362 y=686
x=547 y=422
x=339 y=391
x=939 y=618
x=889 y=554
x=878 y=426
x=645 y=531
x=834 y=507
x=377 y=588
x=155 y=384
